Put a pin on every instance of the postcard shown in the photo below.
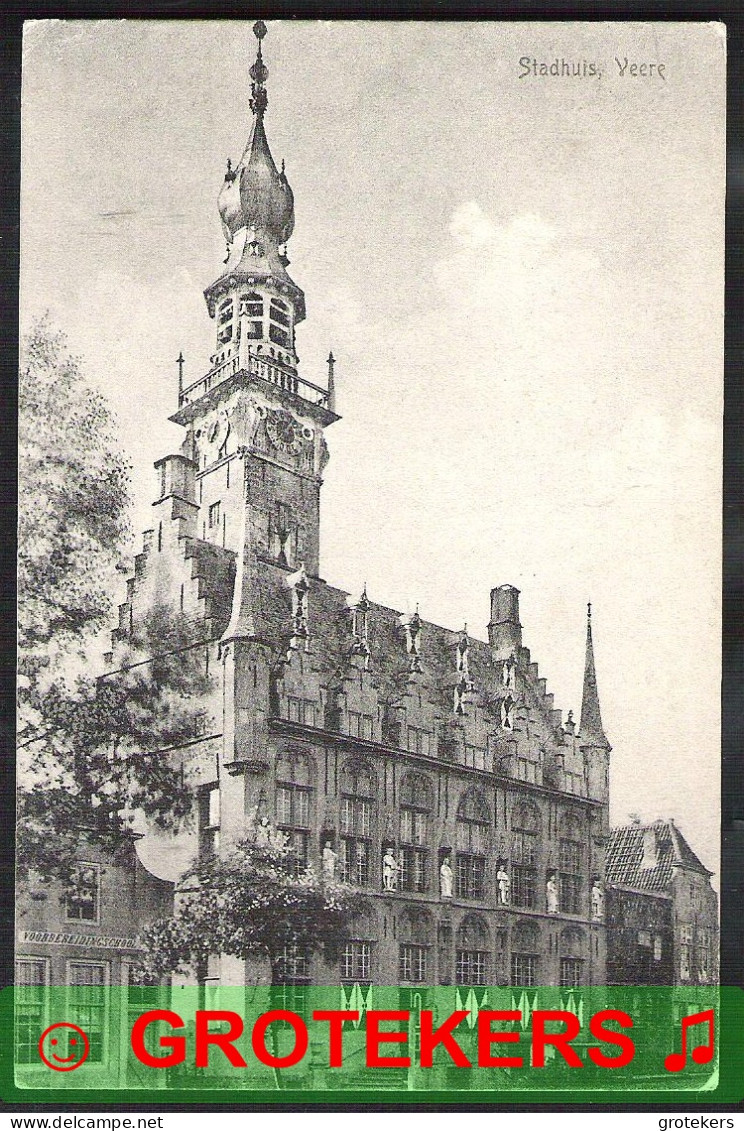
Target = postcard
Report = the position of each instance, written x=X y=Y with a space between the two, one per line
x=370 y=448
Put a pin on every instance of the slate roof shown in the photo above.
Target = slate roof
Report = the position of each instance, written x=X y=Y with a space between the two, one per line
x=331 y=642
x=625 y=856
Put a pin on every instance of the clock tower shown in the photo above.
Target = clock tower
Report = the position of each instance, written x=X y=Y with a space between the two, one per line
x=254 y=426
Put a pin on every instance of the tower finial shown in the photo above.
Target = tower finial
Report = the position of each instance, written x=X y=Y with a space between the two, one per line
x=590 y=725
x=259 y=73
x=331 y=394
x=180 y=363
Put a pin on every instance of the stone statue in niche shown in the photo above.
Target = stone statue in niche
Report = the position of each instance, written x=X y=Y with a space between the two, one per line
x=445 y=879
x=551 y=894
x=508 y=672
x=389 y=871
x=597 y=900
x=329 y=861
x=248 y=415
x=413 y=640
x=507 y=713
x=323 y=455
x=503 y=882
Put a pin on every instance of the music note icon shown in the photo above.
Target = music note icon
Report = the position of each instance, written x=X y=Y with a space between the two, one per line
x=676 y=1061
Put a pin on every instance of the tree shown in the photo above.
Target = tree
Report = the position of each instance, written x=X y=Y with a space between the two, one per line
x=90 y=748
x=72 y=518
x=249 y=903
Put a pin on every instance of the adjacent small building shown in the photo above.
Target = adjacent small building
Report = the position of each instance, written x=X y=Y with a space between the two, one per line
x=77 y=952
x=662 y=912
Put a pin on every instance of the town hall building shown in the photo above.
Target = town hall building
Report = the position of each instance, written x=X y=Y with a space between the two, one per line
x=429 y=769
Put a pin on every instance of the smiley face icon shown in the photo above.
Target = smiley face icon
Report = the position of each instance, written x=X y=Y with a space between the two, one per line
x=52 y=1045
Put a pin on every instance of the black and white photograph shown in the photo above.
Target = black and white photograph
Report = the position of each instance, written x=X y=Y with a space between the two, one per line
x=369 y=552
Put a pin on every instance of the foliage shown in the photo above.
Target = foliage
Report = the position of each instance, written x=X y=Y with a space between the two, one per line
x=249 y=903
x=90 y=749
x=72 y=515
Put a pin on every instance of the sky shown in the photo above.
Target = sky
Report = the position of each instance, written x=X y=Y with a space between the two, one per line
x=521 y=279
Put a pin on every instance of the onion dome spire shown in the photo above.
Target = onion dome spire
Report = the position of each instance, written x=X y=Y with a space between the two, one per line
x=259 y=73
x=255 y=195
x=590 y=726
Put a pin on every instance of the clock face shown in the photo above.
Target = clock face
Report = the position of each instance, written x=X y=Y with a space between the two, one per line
x=217 y=430
x=284 y=432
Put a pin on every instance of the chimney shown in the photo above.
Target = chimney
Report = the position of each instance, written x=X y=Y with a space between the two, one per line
x=504 y=631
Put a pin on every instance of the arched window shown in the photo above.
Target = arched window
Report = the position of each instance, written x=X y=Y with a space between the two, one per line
x=472 y=957
x=571 y=865
x=252 y=305
x=572 y=947
x=356 y=961
x=357 y=814
x=415 y=935
x=525 y=952
x=525 y=828
x=293 y=802
x=280 y=324
x=473 y=820
x=416 y=804
x=224 y=323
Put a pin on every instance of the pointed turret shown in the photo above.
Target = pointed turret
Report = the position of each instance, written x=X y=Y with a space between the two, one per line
x=591 y=731
x=255 y=195
x=254 y=299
